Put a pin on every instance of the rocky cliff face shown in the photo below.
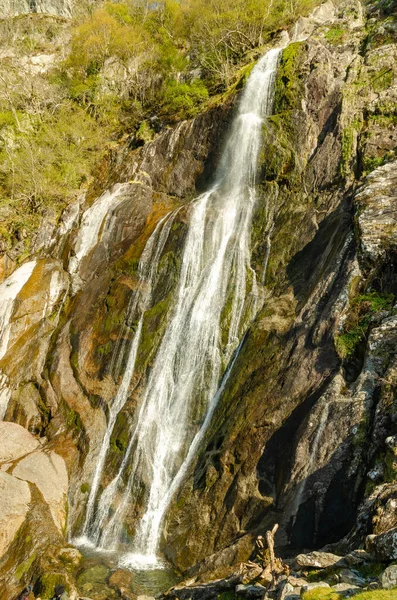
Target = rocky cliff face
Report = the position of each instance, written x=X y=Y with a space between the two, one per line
x=289 y=442
x=60 y=8
x=305 y=431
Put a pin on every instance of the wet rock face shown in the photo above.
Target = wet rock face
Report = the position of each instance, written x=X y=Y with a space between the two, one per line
x=65 y=312
x=289 y=441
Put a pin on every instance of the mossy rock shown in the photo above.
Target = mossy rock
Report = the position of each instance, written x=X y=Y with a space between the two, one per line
x=227 y=596
x=336 y=35
x=97 y=574
x=46 y=584
x=289 y=88
x=120 y=436
x=24 y=567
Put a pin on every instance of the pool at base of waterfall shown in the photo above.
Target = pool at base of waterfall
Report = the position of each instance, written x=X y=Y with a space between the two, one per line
x=106 y=575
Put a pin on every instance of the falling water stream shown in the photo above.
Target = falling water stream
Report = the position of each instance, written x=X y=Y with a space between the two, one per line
x=216 y=292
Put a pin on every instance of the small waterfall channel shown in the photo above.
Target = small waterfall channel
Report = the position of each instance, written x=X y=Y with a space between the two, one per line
x=216 y=292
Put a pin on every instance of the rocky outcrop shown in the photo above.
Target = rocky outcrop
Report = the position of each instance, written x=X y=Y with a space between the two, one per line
x=60 y=8
x=14 y=504
x=33 y=505
x=48 y=473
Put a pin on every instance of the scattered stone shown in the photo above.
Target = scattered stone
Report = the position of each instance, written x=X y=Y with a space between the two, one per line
x=296 y=581
x=385 y=545
x=205 y=591
x=369 y=542
x=71 y=556
x=319 y=560
x=346 y=590
x=388 y=578
x=351 y=577
x=250 y=591
x=358 y=557
x=143 y=597
x=285 y=591
x=374 y=585
x=121 y=581
x=313 y=586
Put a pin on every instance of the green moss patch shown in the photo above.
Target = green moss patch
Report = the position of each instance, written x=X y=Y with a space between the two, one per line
x=47 y=583
x=288 y=85
x=336 y=35
x=362 y=309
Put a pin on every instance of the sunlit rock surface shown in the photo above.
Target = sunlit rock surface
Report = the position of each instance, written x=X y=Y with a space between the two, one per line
x=14 y=504
x=61 y=8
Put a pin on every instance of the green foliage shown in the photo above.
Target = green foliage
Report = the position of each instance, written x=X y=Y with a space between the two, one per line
x=7 y=118
x=362 y=309
x=145 y=133
x=109 y=32
x=123 y=62
x=370 y=163
x=24 y=567
x=335 y=35
x=227 y=596
x=85 y=488
x=46 y=161
x=377 y=595
x=181 y=98
x=47 y=583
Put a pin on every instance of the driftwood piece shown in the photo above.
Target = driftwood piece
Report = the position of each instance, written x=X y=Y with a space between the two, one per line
x=270 y=544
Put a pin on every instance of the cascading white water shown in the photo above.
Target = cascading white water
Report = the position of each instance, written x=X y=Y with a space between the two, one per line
x=147 y=270
x=216 y=292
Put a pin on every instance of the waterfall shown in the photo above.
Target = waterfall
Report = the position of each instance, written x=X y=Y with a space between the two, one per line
x=215 y=300
x=140 y=301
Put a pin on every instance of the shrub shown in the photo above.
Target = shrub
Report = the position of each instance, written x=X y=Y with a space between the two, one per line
x=180 y=98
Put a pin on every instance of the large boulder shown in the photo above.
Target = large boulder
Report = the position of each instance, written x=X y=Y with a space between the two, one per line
x=318 y=560
x=48 y=471
x=16 y=442
x=388 y=579
x=385 y=545
x=14 y=505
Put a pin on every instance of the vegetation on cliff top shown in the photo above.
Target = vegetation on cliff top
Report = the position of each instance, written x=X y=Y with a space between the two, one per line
x=71 y=90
